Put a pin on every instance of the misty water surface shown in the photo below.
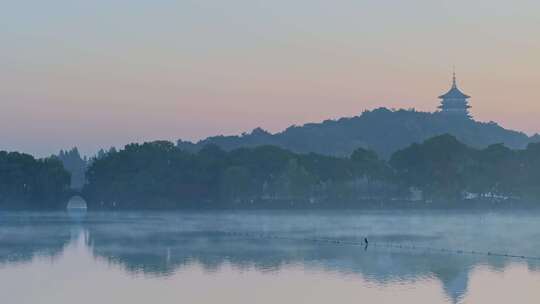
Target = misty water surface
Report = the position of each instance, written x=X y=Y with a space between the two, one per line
x=269 y=257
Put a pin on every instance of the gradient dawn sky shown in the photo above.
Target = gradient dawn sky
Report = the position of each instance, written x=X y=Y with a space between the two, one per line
x=108 y=72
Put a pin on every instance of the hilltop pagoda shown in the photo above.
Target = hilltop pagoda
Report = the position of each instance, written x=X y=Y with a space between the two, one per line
x=454 y=102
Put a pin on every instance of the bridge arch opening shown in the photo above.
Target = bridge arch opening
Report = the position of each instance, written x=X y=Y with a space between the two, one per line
x=76 y=203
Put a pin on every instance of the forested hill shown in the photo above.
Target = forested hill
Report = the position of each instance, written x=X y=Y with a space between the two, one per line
x=382 y=130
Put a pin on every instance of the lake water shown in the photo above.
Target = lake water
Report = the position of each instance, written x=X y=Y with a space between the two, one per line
x=270 y=257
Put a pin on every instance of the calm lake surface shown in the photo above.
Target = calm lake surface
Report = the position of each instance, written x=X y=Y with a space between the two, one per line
x=270 y=257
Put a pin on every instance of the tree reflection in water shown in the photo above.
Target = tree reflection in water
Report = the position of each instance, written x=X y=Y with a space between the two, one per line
x=158 y=244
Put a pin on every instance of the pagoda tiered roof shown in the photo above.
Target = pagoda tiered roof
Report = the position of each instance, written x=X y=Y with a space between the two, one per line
x=454 y=92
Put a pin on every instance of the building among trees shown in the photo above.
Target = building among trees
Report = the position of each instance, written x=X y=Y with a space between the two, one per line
x=454 y=102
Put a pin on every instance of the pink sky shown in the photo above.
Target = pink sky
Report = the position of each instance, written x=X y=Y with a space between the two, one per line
x=100 y=74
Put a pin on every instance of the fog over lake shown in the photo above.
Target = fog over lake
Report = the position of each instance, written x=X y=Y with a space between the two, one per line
x=270 y=257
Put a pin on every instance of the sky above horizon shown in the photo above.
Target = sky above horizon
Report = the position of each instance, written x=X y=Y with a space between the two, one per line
x=106 y=73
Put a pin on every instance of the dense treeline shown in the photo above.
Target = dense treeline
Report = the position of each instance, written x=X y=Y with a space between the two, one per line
x=26 y=182
x=443 y=167
x=159 y=175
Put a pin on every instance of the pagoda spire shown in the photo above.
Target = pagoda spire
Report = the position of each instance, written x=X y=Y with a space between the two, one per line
x=454 y=82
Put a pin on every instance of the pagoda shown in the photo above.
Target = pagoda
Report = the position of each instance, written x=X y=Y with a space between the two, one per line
x=454 y=102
